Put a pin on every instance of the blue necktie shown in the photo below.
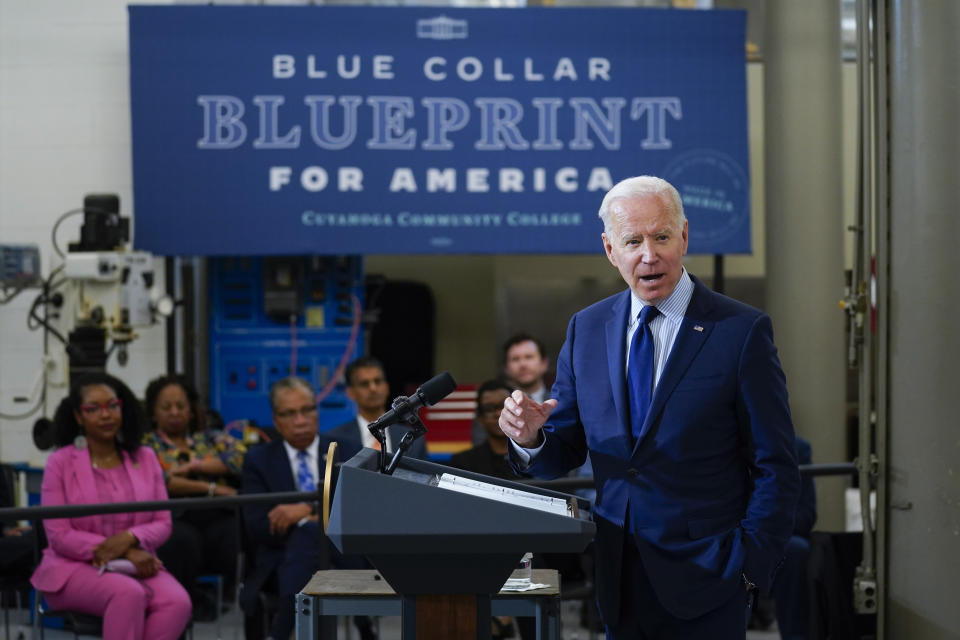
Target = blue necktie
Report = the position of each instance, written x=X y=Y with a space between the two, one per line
x=640 y=370
x=304 y=477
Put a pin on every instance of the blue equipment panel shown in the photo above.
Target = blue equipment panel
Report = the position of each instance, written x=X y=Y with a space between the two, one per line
x=276 y=316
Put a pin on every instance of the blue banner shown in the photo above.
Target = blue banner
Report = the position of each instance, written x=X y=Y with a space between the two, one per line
x=309 y=130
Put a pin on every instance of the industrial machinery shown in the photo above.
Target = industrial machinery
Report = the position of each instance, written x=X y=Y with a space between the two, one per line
x=93 y=301
x=107 y=291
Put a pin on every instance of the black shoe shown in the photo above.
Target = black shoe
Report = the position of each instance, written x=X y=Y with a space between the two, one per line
x=589 y=613
x=204 y=607
x=364 y=625
x=501 y=630
x=764 y=613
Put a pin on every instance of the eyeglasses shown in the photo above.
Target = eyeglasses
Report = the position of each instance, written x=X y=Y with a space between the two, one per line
x=93 y=408
x=489 y=408
x=289 y=414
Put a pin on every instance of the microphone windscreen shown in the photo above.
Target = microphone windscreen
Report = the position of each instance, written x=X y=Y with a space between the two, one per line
x=437 y=388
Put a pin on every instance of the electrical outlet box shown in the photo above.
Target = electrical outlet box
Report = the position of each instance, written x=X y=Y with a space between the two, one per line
x=864 y=593
x=19 y=266
x=57 y=369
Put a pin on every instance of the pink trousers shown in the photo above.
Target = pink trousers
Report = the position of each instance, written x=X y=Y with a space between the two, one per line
x=156 y=608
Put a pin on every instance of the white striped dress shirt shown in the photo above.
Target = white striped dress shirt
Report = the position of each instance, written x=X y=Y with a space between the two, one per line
x=664 y=326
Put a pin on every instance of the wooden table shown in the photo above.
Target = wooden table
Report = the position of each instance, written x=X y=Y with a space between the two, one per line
x=365 y=592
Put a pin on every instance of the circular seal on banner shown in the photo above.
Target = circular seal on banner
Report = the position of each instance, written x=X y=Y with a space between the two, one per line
x=714 y=189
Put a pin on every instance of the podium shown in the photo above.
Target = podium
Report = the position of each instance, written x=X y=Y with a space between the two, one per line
x=363 y=592
x=444 y=552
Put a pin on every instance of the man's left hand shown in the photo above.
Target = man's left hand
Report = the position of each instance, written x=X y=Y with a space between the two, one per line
x=283 y=516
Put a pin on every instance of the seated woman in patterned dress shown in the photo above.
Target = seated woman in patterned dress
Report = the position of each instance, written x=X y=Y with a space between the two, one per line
x=196 y=462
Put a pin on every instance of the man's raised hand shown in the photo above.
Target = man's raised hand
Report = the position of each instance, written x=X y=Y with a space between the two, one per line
x=522 y=418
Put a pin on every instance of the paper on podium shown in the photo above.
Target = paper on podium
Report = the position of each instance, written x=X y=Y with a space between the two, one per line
x=518 y=585
x=508 y=495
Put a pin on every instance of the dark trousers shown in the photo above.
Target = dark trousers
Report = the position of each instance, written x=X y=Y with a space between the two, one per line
x=790 y=591
x=202 y=541
x=643 y=618
x=301 y=559
x=16 y=555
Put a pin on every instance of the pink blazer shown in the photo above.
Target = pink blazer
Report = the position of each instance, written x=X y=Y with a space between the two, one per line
x=68 y=479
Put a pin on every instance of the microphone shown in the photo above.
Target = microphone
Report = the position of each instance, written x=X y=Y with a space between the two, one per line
x=430 y=392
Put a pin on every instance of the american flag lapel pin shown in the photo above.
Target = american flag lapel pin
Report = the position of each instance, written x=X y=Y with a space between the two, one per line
x=698 y=328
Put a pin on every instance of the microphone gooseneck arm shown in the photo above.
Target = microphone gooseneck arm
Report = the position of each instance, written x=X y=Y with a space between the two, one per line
x=417 y=429
x=404 y=410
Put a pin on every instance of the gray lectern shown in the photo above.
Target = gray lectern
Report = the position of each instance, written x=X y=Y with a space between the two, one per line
x=445 y=551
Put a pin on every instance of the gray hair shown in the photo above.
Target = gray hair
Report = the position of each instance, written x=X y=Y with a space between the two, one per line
x=287 y=384
x=641 y=186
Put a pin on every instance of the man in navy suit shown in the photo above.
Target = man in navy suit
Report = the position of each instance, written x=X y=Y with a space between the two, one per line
x=683 y=410
x=287 y=536
x=367 y=387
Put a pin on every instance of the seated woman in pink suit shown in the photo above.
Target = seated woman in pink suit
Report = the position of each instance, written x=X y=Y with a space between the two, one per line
x=100 y=459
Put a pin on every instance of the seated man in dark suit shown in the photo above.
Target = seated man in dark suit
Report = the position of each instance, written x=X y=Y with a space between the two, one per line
x=490 y=456
x=367 y=387
x=287 y=536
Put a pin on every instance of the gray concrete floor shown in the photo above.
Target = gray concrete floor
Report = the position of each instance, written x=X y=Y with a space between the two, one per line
x=231 y=628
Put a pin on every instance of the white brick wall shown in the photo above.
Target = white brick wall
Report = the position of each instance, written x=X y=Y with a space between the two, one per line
x=64 y=132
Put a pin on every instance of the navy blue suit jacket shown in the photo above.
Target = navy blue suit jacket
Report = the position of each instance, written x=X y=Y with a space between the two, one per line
x=347 y=437
x=266 y=469
x=709 y=489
